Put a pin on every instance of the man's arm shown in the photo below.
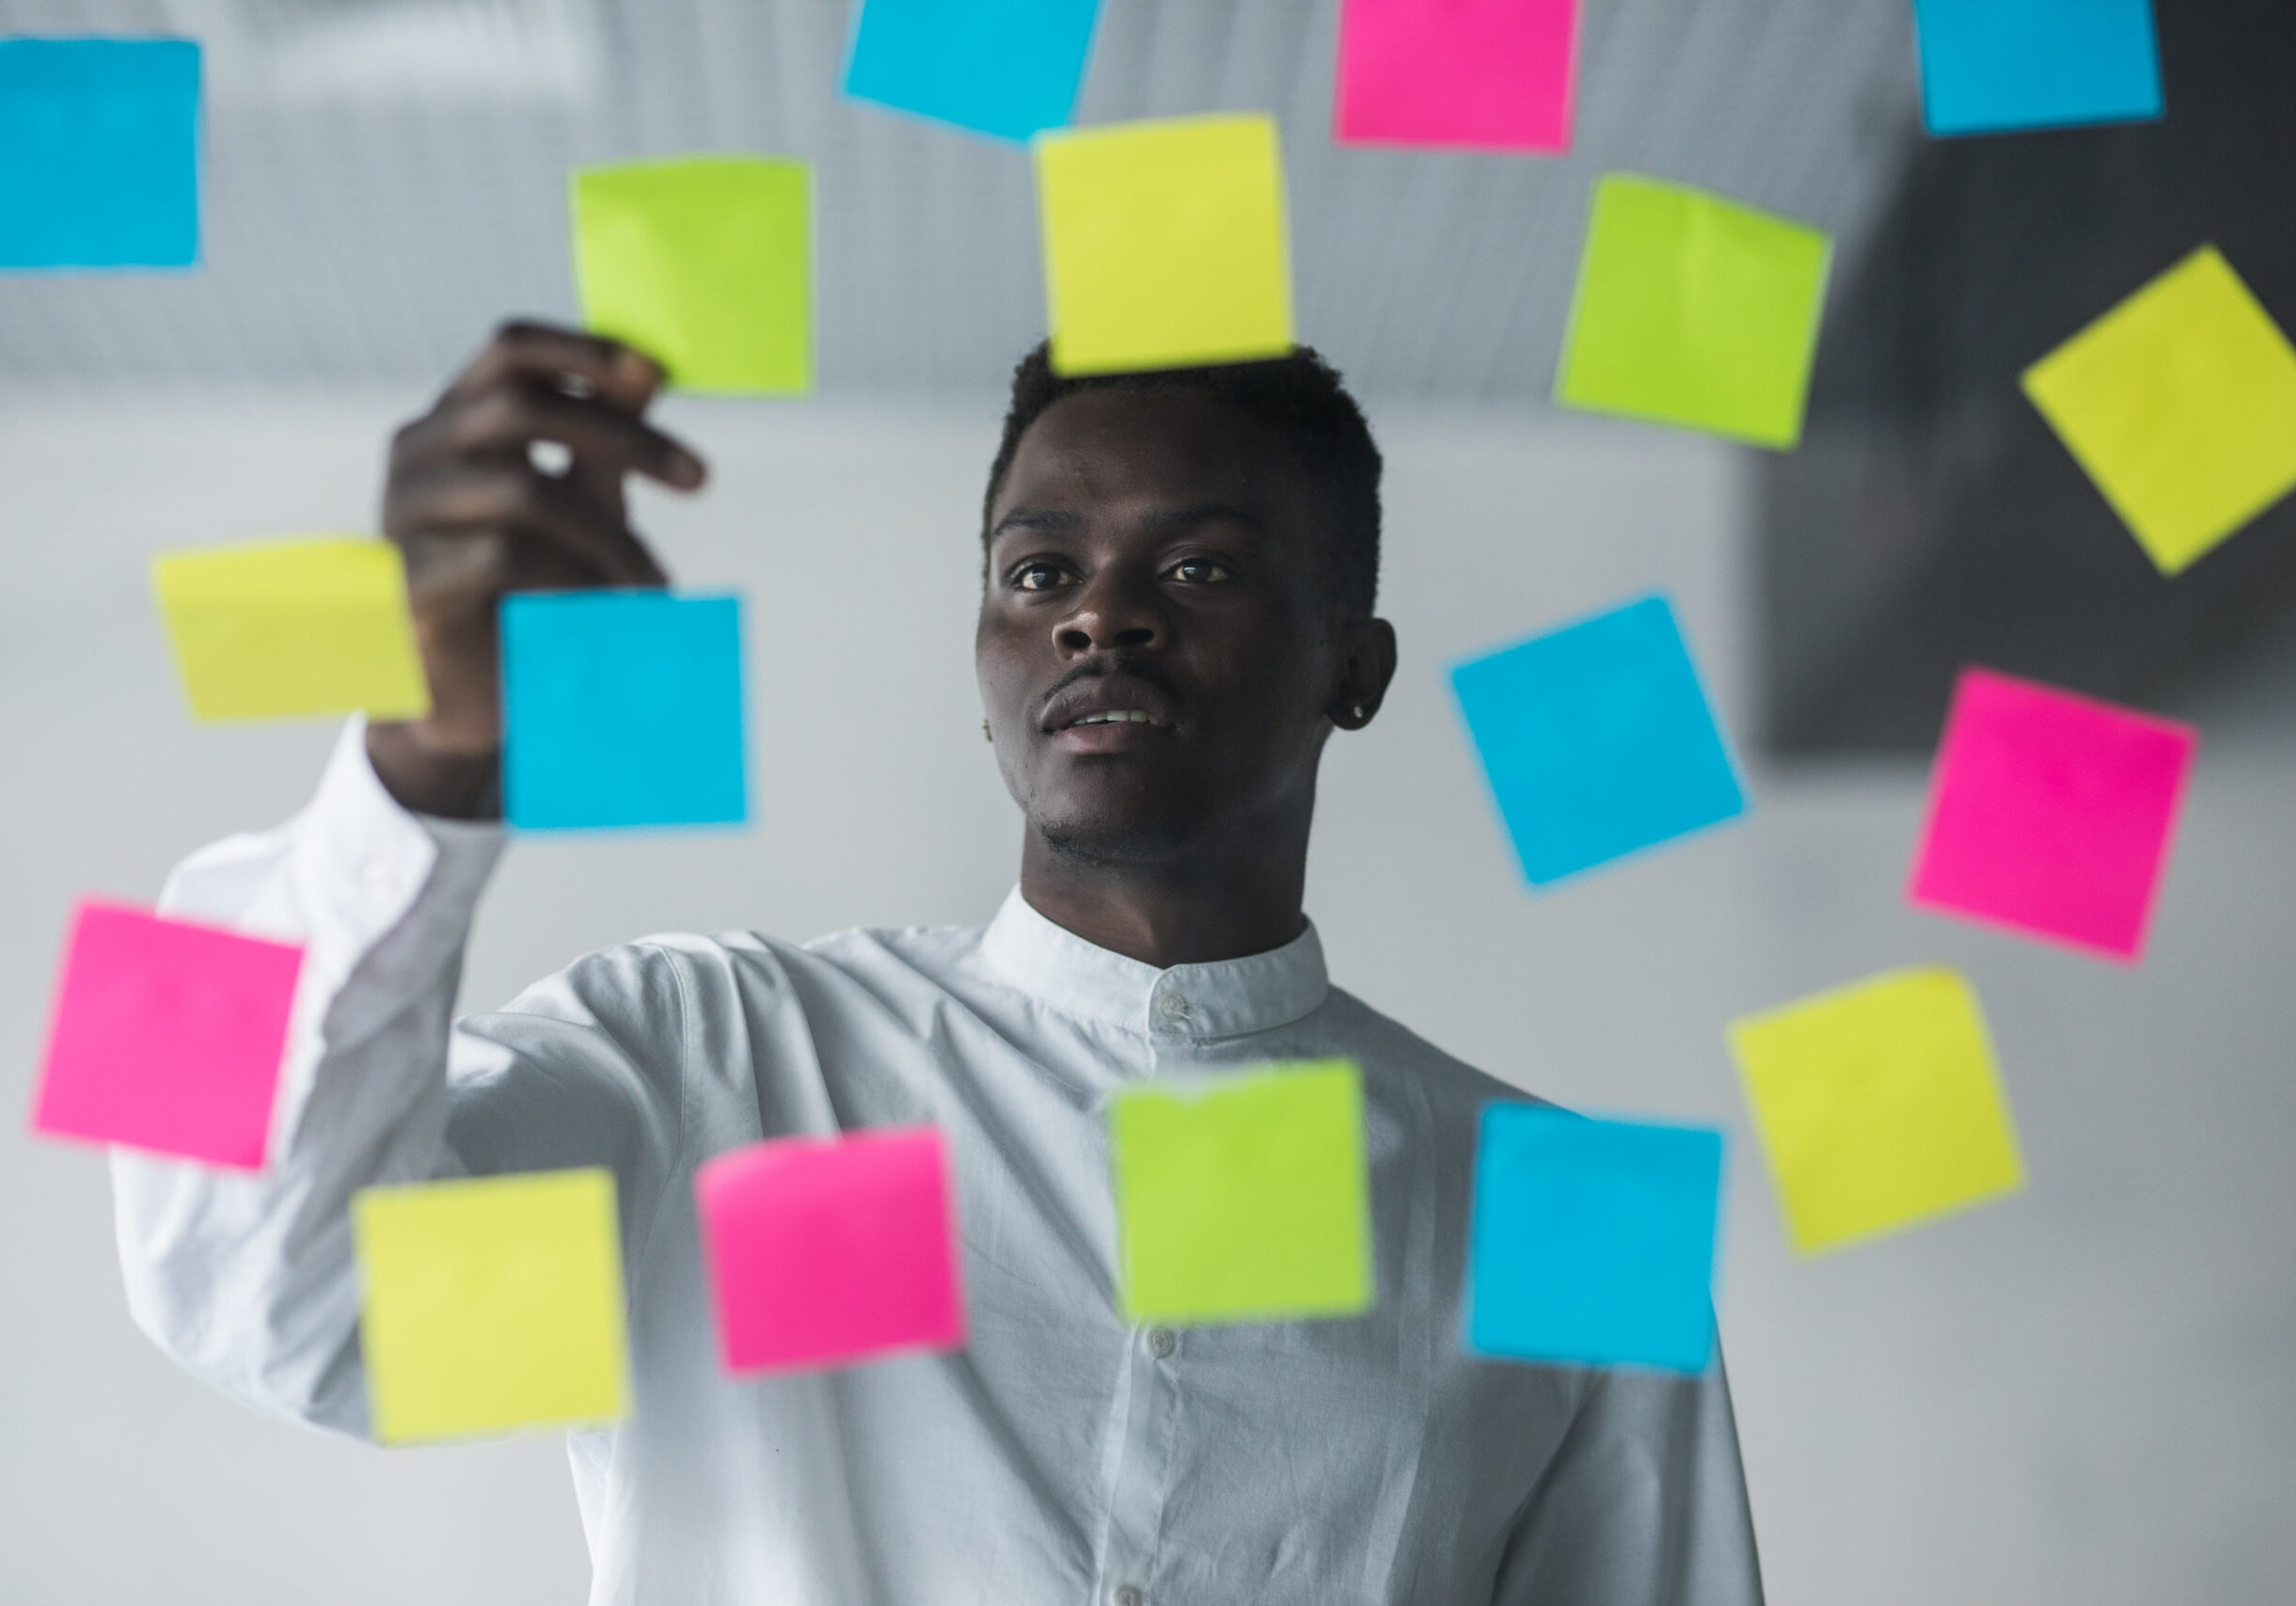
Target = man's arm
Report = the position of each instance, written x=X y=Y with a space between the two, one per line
x=1645 y=1505
x=250 y=1281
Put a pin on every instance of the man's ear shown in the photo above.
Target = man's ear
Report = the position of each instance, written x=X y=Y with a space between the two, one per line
x=1366 y=666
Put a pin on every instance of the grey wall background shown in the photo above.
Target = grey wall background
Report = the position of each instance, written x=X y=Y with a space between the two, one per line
x=2084 y=1395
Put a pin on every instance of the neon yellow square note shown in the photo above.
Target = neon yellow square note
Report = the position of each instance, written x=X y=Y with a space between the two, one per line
x=1245 y=1198
x=280 y=628
x=1877 y=1104
x=1694 y=310
x=1165 y=244
x=704 y=263
x=491 y=1304
x=2180 y=404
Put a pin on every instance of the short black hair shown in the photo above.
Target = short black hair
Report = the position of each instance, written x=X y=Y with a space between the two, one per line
x=1299 y=397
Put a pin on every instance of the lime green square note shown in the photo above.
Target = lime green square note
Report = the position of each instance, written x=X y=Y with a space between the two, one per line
x=1245 y=1198
x=1878 y=1106
x=1165 y=244
x=491 y=1304
x=2180 y=404
x=1692 y=309
x=282 y=629
x=704 y=263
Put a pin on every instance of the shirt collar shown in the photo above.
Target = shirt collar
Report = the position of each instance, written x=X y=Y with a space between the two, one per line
x=1225 y=998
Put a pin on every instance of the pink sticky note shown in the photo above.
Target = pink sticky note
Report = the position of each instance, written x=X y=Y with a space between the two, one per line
x=1485 y=74
x=824 y=1250
x=166 y=1036
x=2050 y=812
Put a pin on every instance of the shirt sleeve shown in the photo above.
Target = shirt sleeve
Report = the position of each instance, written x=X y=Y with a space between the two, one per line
x=1643 y=1505
x=250 y=1281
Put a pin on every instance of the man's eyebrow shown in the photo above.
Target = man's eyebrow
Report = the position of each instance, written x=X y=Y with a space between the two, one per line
x=1036 y=519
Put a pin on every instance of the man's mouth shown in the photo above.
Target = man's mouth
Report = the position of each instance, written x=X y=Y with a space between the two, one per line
x=1110 y=714
x=1107 y=704
x=1116 y=716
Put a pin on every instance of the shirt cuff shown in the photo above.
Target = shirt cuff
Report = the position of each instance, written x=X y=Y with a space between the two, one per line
x=366 y=867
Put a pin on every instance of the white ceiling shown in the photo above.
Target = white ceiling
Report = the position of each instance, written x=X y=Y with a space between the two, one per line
x=385 y=179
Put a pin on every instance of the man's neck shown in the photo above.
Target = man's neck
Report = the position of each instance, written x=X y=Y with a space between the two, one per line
x=1192 y=907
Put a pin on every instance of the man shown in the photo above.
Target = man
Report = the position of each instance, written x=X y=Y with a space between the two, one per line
x=1176 y=614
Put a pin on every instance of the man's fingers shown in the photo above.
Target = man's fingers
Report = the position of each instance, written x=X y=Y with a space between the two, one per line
x=564 y=359
x=501 y=422
x=474 y=501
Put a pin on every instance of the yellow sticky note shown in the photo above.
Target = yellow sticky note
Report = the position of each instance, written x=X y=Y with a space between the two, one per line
x=316 y=625
x=1165 y=244
x=1244 y=1198
x=491 y=1304
x=1877 y=1104
x=2180 y=404
x=705 y=264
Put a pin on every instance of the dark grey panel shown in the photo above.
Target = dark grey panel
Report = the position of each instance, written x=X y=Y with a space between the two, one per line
x=1931 y=518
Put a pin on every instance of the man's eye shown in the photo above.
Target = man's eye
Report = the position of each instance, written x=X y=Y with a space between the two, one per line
x=1200 y=571
x=1035 y=576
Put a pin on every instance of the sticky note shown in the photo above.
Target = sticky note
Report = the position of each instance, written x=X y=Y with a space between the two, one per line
x=280 y=628
x=1994 y=66
x=1004 y=67
x=1694 y=310
x=1877 y=1105
x=1165 y=244
x=98 y=153
x=1593 y=1241
x=1480 y=74
x=1244 y=1198
x=621 y=709
x=2180 y=404
x=491 y=1304
x=705 y=264
x=1597 y=741
x=2051 y=814
x=166 y=1036
x=823 y=1251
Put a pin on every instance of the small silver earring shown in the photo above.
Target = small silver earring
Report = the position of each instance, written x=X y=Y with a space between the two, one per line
x=1361 y=710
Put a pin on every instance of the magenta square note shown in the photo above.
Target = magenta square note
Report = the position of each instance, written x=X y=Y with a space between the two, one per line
x=166 y=1036
x=824 y=1250
x=2051 y=814
x=1480 y=75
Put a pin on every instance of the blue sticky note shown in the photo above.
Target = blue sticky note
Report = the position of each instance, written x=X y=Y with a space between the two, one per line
x=1993 y=66
x=1597 y=741
x=1593 y=1241
x=1005 y=67
x=621 y=709
x=98 y=153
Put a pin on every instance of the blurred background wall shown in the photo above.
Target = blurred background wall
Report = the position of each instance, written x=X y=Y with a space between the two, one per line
x=2084 y=1395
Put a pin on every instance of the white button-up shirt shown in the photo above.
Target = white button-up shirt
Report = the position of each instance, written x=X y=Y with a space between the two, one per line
x=1063 y=1455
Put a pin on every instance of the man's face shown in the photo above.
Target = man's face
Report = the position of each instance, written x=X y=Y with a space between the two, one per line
x=1156 y=652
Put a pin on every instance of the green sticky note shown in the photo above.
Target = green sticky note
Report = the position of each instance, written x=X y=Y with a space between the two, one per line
x=704 y=263
x=1694 y=310
x=282 y=629
x=1165 y=244
x=2180 y=404
x=1245 y=1198
x=491 y=1304
x=1878 y=1106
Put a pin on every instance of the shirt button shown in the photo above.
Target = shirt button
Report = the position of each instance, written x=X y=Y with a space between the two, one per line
x=1172 y=1006
x=1162 y=1344
x=1129 y=1595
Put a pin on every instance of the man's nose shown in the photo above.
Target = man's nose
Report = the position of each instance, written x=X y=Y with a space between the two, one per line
x=1114 y=610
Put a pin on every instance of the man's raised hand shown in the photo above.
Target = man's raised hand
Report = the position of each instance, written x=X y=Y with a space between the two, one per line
x=477 y=516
